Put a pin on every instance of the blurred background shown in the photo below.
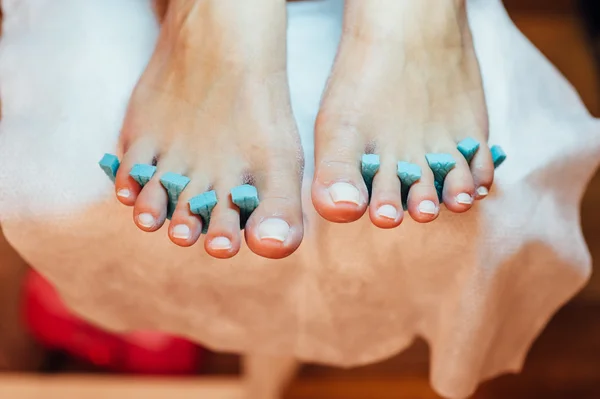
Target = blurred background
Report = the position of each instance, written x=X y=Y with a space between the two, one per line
x=563 y=364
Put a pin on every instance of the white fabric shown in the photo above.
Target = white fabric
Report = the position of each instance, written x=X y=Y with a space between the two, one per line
x=478 y=286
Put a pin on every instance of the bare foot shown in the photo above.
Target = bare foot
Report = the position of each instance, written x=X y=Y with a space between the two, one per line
x=405 y=86
x=213 y=105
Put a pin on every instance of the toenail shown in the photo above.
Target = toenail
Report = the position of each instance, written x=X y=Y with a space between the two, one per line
x=146 y=220
x=388 y=212
x=181 y=231
x=220 y=243
x=428 y=207
x=123 y=193
x=344 y=192
x=464 y=198
x=482 y=191
x=273 y=229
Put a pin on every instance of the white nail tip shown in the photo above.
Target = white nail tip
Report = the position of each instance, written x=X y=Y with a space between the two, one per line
x=388 y=212
x=482 y=191
x=181 y=231
x=146 y=220
x=274 y=229
x=220 y=243
x=344 y=192
x=428 y=207
x=464 y=198
x=123 y=193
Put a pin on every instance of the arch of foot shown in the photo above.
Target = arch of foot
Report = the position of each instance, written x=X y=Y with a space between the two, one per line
x=440 y=164
x=245 y=196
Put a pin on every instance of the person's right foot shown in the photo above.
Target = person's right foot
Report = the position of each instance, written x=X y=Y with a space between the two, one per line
x=406 y=84
x=213 y=105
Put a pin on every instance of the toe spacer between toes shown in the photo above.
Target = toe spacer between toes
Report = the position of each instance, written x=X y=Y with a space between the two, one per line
x=174 y=184
x=203 y=206
x=409 y=174
x=498 y=155
x=246 y=198
x=441 y=165
x=110 y=165
x=370 y=164
x=468 y=148
x=142 y=173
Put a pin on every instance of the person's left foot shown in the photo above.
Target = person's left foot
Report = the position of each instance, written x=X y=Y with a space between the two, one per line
x=405 y=86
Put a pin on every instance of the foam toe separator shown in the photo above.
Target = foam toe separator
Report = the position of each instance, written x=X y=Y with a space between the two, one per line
x=142 y=173
x=409 y=174
x=468 y=148
x=174 y=184
x=246 y=198
x=441 y=165
x=369 y=167
x=203 y=206
x=498 y=155
x=110 y=165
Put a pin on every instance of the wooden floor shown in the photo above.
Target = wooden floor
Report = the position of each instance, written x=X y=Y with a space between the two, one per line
x=563 y=364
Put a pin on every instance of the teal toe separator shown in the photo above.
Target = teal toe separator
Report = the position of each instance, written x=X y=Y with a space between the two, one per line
x=468 y=148
x=110 y=165
x=203 y=206
x=246 y=198
x=142 y=173
x=440 y=165
x=498 y=155
x=409 y=174
x=369 y=167
x=174 y=184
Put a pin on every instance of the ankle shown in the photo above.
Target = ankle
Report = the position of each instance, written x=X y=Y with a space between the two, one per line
x=247 y=35
x=418 y=22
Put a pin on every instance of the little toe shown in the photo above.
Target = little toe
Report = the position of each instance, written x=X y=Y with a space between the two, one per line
x=385 y=208
x=482 y=170
x=459 y=191
x=275 y=229
x=126 y=188
x=423 y=203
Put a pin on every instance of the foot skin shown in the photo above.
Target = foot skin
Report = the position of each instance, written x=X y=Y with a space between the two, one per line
x=213 y=105
x=405 y=84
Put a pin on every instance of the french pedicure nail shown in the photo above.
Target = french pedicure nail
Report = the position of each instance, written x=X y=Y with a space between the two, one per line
x=146 y=220
x=181 y=231
x=220 y=243
x=388 y=212
x=464 y=199
x=273 y=229
x=124 y=193
x=344 y=192
x=428 y=207
x=482 y=191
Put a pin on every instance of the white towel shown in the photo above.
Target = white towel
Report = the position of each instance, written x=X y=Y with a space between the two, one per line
x=478 y=286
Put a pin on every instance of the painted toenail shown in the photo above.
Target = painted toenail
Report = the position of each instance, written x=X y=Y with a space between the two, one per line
x=220 y=243
x=181 y=231
x=464 y=199
x=428 y=207
x=482 y=191
x=146 y=220
x=388 y=212
x=344 y=192
x=274 y=229
x=123 y=193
